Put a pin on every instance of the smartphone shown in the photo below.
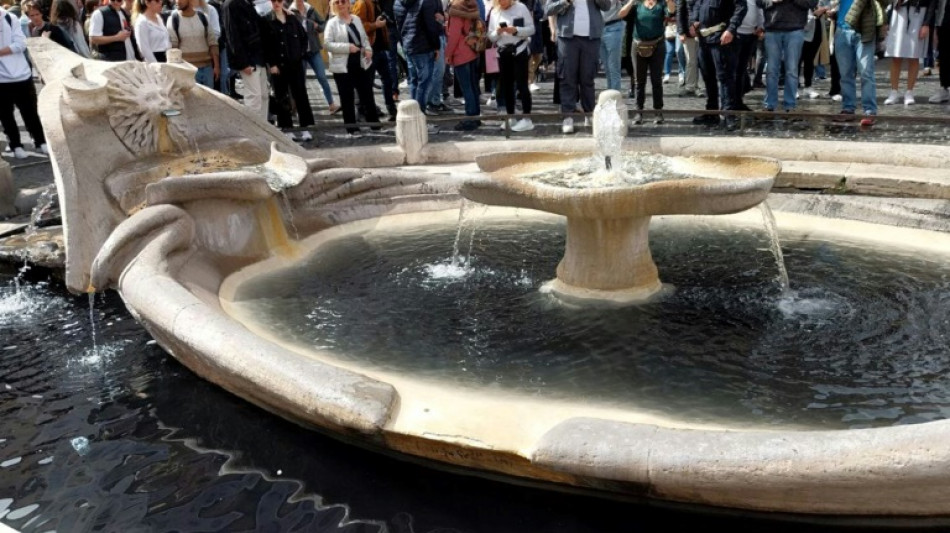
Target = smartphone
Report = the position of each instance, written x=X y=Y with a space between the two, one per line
x=502 y=24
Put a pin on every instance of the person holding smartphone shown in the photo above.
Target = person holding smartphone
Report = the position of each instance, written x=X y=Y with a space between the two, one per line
x=510 y=28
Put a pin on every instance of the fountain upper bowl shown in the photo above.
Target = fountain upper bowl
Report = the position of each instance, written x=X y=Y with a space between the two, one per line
x=710 y=185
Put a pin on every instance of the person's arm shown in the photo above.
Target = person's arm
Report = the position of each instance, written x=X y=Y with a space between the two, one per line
x=214 y=21
x=145 y=47
x=556 y=7
x=625 y=9
x=526 y=31
x=95 y=32
x=17 y=44
x=238 y=56
x=735 y=21
x=332 y=41
x=602 y=5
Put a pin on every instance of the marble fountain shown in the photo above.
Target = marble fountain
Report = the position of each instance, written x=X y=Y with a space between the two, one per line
x=315 y=285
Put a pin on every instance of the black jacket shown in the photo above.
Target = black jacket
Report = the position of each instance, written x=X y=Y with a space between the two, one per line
x=415 y=20
x=244 y=29
x=285 y=43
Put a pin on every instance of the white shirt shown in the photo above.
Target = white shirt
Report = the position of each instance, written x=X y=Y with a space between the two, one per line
x=151 y=37
x=581 y=19
x=95 y=30
x=13 y=67
x=214 y=21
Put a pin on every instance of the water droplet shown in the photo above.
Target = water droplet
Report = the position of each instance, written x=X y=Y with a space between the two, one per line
x=81 y=445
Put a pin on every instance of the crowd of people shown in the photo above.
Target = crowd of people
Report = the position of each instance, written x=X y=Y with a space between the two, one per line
x=439 y=44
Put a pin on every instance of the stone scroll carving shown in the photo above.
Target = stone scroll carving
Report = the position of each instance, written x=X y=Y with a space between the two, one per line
x=144 y=106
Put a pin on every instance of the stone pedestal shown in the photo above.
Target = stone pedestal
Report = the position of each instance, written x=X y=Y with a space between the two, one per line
x=411 y=131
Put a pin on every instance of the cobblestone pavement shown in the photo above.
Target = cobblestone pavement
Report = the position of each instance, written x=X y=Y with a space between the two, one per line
x=923 y=123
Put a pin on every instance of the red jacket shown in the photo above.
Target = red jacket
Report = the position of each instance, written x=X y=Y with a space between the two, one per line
x=457 y=52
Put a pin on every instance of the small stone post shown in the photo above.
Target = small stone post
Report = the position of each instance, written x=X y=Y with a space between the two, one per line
x=411 y=131
x=606 y=96
x=7 y=189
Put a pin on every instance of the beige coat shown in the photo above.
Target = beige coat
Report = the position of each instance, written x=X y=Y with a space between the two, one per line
x=336 y=40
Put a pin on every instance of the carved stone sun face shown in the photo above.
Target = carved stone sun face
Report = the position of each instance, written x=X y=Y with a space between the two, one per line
x=140 y=97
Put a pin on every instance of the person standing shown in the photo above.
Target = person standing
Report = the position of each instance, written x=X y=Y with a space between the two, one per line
x=285 y=43
x=16 y=87
x=907 y=41
x=313 y=25
x=942 y=22
x=648 y=37
x=244 y=30
x=510 y=28
x=612 y=40
x=689 y=47
x=714 y=23
x=859 y=22
x=190 y=31
x=747 y=39
x=151 y=33
x=350 y=59
x=375 y=26
x=111 y=33
x=464 y=28
x=784 y=37
x=421 y=32
x=580 y=26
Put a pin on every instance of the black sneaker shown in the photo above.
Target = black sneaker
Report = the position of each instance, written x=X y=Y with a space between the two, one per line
x=706 y=120
x=638 y=119
x=844 y=116
x=658 y=119
x=731 y=123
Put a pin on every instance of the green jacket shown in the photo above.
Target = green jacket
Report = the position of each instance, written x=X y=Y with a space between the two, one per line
x=867 y=18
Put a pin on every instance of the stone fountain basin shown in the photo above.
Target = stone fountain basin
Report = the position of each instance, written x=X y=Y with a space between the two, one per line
x=721 y=185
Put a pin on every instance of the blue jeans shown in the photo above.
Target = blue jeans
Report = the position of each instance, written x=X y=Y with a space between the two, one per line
x=611 y=43
x=205 y=76
x=668 y=59
x=467 y=75
x=852 y=54
x=224 y=81
x=782 y=47
x=319 y=70
x=421 y=70
x=438 y=72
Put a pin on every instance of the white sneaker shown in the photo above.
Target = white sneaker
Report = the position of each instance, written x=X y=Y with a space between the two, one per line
x=524 y=124
x=305 y=136
x=19 y=152
x=909 y=98
x=682 y=80
x=812 y=94
x=534 y=87
x=44 y=148
x=943 y=95
x=892 y=98
x=586 y=122
x=404 y=84
x=504 y=124
x=490 y=101
x=666 y=78
x=836 y=98
x=291 y=135
x=568 y=125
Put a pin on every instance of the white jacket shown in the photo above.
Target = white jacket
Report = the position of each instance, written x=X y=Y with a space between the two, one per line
x=336 y=40
x=13 y=67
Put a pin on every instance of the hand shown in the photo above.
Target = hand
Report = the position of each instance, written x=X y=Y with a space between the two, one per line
x=274 y=70
x=368 y=52
x=123 y=35
x=217 y=72
x=440 y=18
x=692 y=31
x=924 y=32
x=726 y=38
x=380 y=22
x=247 y=71
x=354 y=48
x=46 y=33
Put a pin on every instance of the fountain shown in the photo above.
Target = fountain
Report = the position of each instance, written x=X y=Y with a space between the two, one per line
x=608 y=210
x=203 y=260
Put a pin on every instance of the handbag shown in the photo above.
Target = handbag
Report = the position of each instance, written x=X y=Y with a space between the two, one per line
x=491 y=60
x=646 y=48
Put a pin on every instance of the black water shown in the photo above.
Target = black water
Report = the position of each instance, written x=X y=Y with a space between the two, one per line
x=170 y=452
x=862 y=340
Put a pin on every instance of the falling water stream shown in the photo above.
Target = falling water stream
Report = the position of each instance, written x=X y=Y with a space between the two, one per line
x=771 y=229
x=92 y=323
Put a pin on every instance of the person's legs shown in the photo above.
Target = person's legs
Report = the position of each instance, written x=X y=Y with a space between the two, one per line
x=469 y=84
x=344 y=87
x=506 y=81
x=281 y=84
x=587 y=72
x=438 y=71
x=794 y=40
x=25 y=100
x=422 y=66
x=319 y=70
x=773 y=53
x=7 y=117
x=521 y=81
x=724 y=59
x=225 y=71
x=670 y=48
x=655 y=65
x=296 y=78
x=364 y=88
x=381 y=66
x=256 y=91
x=943 y=52
x=745 y=47
x=610 y=47
x=691 y=50
x=708 y=68
x=846 y=55
x=913 y=67
x=568 y=68
x=865 y=59
x=640 y=66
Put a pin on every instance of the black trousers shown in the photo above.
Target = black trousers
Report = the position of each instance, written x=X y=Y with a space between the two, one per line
x=356 y=80
x=290 y=84
x=21 y=94
x=747 y=44
x=806 y=65
x=654 y=64
x=943 y=49
x=718 y=64
x=513 y=72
